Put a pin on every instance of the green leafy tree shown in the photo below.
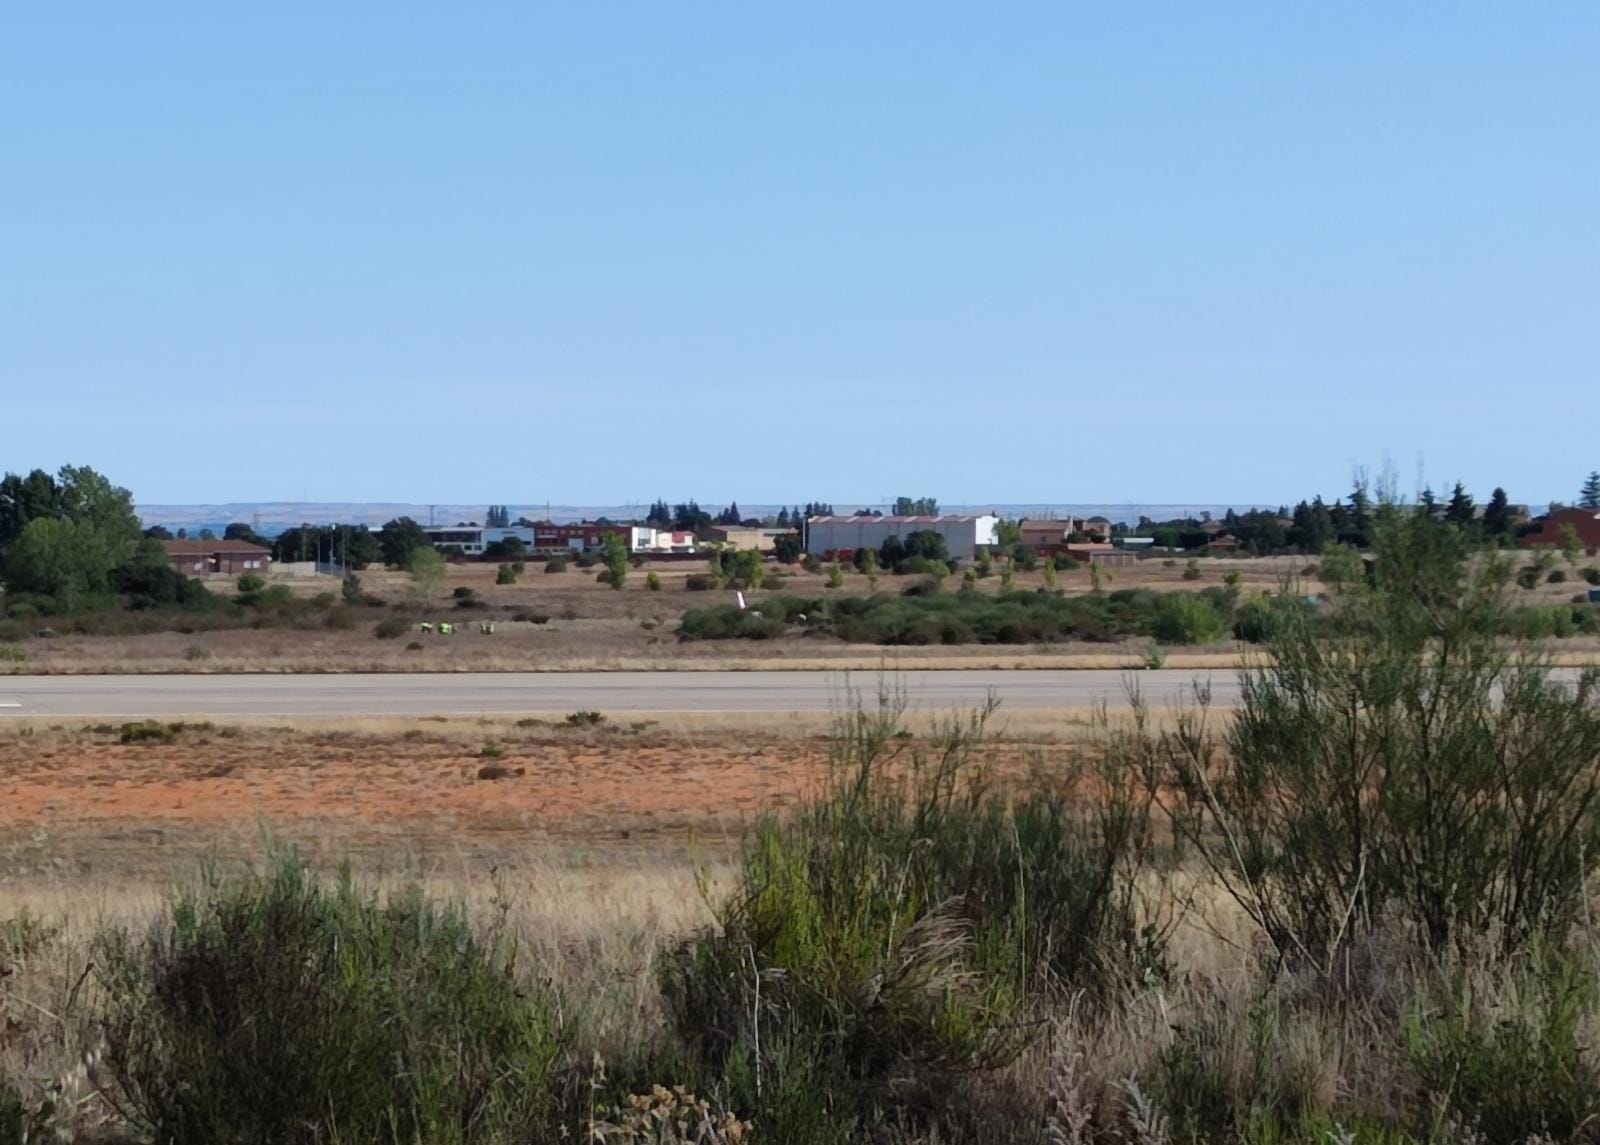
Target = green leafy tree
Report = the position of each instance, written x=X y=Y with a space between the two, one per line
x=91 y=499
x=1589 y=496
x=745 y=568
x=1571 y=543
x=427 y=569
x=927 y=544
x=615 y=554
x=64 y=559
x=660 y=515
x=24 y=499
x=398 y=539
x=148 y=580
x=916 y=506
x=356 y=547
x=835 y=575
x=497 y=517
x=786 y=550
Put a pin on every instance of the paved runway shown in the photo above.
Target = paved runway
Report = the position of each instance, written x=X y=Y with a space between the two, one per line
x=473 y=694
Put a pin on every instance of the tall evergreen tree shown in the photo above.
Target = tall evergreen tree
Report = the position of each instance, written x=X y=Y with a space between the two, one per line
x=1497 y=515
x=1460 y=509
x=1589 y=496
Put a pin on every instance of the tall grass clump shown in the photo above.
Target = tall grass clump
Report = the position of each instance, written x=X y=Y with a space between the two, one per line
x=279 y=1007
x=899 y=929
x=1400 y=758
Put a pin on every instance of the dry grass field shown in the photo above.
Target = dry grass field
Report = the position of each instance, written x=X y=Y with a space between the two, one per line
x=585 y=625
x=570 y=622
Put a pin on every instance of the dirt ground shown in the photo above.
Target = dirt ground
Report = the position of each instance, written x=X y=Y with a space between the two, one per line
x=80 y=801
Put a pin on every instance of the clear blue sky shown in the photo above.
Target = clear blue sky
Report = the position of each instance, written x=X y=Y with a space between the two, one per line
x=991 y=252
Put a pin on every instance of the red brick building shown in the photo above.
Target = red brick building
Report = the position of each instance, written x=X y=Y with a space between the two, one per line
x=206 y=558
x=1553 y=530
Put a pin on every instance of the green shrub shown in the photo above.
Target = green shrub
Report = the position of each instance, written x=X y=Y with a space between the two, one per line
x=250 y=583
x=1063 y=562
x=1510 y=1058
x=276 y=1007
x=1540 y=622
x=391 y=627
x=1477 y=824
x=811 y=563
x=1184 y=618
x=1191 y=569
x=652 y=582
x=149 y=731
x=728 y=622
x=505 y=574
x=1260 y=618
x=584 y=718
x=1528 y=576
x=885 y=939
x=13 y=654
x=556 y=565
x=586 y=560
x=1592 y=575
x=701 y=582
x=1556 y=576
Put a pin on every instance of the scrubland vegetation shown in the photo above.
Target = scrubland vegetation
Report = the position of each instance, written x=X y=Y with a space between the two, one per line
x=1358 y=911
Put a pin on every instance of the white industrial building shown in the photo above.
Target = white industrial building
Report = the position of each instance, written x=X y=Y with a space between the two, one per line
x=963 y=536
x=473 y=539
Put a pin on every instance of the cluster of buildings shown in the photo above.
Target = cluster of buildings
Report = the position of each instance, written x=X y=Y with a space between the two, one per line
x=1085 y=539
x=587 y=537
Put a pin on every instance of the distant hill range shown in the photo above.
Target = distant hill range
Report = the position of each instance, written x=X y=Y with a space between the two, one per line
x=272 y=517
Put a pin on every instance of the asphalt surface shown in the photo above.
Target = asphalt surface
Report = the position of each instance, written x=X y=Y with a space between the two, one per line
x=474 y=694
